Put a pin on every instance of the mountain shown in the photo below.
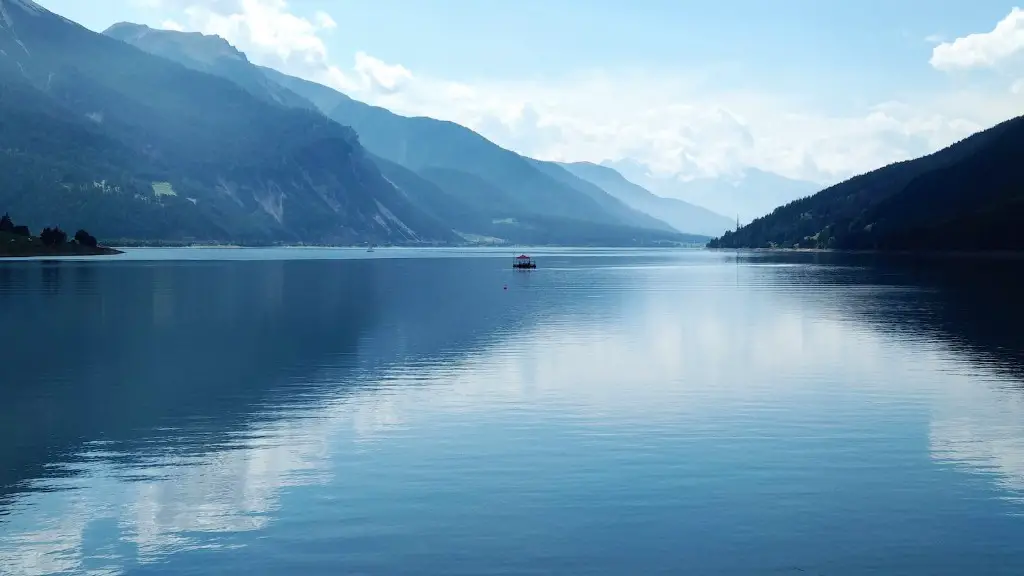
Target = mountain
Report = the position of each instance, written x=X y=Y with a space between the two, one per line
x=968 y=196
x=96 y=131
x=609 y=202
x=431 y=190
x=681 y=215
x=210 y=54
x=497 y=191
x=497 y=178
x=747 y=194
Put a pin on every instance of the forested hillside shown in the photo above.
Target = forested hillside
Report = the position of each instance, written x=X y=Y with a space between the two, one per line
x=968 y=196
x=94 y=130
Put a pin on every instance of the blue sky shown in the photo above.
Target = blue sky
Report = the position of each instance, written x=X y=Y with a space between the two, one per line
x=813 y=89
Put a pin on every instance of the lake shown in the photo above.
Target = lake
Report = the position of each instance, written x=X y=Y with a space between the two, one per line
x=317 y=411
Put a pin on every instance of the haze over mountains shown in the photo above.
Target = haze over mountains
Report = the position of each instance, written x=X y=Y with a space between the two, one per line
x=156 y=135
x=135 y=146
x=161 y=135
x=680 y=214
x=462 y=162
x=748 y=194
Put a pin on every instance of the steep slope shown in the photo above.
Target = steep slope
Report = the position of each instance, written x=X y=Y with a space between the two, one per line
x=966 y=196
x=94 y=130
x=608 y=201
x=424 y=143
x=60 y=168
x=975 y=203
x=430 y=197
x=210 y=54
x=420 y=144
x=749 y=194
x=455 y=196
x=681 y=215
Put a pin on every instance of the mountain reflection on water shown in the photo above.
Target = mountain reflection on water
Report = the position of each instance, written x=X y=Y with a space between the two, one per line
x=377 y=414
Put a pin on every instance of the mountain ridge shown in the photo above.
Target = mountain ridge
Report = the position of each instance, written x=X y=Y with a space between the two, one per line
x=678 y=213
x=969 y=196
x=747 y=194
x=211 y=54
x=142 y=147
x=542 y=191
x=409 y=141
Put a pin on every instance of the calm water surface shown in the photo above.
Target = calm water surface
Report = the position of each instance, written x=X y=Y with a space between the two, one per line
x=434 y=412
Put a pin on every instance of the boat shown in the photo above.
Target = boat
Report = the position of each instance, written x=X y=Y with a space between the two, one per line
x=370 y=249
x=523 y=261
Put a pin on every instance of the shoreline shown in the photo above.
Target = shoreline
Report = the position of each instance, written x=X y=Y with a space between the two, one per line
x=916 y=253
x=512 y=247
x=384 y=246
x=33 y=251
x=17 y=242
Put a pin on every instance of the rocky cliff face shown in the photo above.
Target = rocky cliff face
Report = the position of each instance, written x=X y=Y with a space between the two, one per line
x=136 y=146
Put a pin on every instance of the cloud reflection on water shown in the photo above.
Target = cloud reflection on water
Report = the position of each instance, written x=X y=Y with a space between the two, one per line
x=649 y=356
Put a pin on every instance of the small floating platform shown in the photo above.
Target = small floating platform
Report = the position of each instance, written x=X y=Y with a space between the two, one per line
x=523 y=261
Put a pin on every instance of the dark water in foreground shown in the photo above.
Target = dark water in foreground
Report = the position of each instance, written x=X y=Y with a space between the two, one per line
x=286 y=412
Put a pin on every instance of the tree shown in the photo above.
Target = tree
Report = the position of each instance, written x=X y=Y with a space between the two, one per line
x=6 y=225
x=85 y=239
x=53 y=236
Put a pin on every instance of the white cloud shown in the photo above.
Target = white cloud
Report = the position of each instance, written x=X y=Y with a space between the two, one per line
x=1018 y=87
x=273 y=35
x=674 y=122
x=172 y=25
x=976 y=426
x=324 y=21
x=985 y=49
x=380 y=75
x=265 y=26
x=677 y=128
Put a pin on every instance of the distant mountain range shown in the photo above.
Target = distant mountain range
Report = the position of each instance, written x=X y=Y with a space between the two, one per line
x=470 y=167
x=155 y=135
x=681 y=215
x=748 y=194
x=968 y=196
x=144 y=134
x=129 y=145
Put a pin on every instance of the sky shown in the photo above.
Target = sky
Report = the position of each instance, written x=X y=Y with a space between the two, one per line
x=810 y=89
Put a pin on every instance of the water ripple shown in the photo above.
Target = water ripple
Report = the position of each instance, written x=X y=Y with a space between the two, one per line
x=615 y=412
